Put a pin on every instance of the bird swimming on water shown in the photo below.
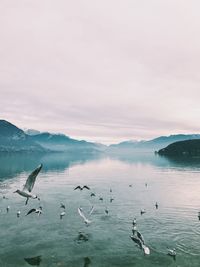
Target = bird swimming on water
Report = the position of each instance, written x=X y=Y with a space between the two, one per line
x=26 y=192
x=172 y=253
x=62 y=206
x=62 y=214
x=142 y=211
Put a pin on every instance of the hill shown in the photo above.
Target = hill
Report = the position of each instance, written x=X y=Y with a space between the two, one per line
x=13 y=139
x=189 y=148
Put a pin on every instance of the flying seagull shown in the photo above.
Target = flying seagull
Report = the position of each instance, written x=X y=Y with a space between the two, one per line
x=37 y=211
x=82 y=187
x=26 y=192
x=86 y=221
x=138 y=239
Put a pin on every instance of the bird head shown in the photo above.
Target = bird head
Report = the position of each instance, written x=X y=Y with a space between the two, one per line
x=17 y=191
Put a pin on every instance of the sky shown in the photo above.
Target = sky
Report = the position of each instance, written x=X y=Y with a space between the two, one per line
x=103 y=71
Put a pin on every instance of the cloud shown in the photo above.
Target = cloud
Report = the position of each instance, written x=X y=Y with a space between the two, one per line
x=101 y=70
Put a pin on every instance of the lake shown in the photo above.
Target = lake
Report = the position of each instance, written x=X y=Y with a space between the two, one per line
x=174 y=184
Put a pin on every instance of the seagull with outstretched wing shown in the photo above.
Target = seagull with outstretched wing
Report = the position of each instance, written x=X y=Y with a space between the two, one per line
x=86 y=221
x=26 y=192
x=37 y=211
x=82 y=187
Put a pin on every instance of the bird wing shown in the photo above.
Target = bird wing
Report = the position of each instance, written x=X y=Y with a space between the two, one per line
x=30 y=211
x=85 y=186
x=140 y=236
x=78 y=187
x=31 y=179
x=82 y=215
x=91 y=210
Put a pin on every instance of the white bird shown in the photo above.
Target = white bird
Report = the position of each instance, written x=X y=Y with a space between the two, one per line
x=134 y=222
x=62 y=214
x=26 y=192
x=86 y=221
x=18 y=213
x=171 y=252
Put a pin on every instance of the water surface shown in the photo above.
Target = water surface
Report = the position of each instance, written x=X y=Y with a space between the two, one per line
x=174 y=184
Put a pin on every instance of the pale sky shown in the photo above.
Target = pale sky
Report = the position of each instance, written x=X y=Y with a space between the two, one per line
x=105 y=71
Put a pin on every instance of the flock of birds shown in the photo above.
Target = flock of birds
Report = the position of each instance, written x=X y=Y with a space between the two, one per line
x=136 y=236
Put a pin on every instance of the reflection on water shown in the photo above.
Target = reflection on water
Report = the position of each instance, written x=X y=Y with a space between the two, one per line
x=173 y=184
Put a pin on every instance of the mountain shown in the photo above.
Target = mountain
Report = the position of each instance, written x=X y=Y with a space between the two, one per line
x=31 y=131
x=186 y=148
x=61 y=142
x=152 y=145
x=13 y=139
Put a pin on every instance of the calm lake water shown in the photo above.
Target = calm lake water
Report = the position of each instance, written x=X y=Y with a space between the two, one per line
x=174 y=184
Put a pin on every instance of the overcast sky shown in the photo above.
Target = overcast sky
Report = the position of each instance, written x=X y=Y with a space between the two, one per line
x=105 y=71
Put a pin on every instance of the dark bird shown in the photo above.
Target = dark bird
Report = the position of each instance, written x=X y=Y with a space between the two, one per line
x=199 y=215
x=111 y=200
x=110 y=190
x=35 y=261
x=142 y=211
x=62 y=206
x=82 y=187
x=37 y=211
x=156 y=205
x=92 y=195
x=106 y=210
x=101 y=198
x=130 y=185
x=7 y=209
x=87 y=262
x=26 y=192
x=18 y=213
x=82 y=237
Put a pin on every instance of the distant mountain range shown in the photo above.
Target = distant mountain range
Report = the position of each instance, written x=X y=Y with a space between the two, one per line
x=152 y=145
x=13 y=139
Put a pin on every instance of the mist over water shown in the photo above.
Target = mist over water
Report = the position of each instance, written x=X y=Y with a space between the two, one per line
x=174 y=184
